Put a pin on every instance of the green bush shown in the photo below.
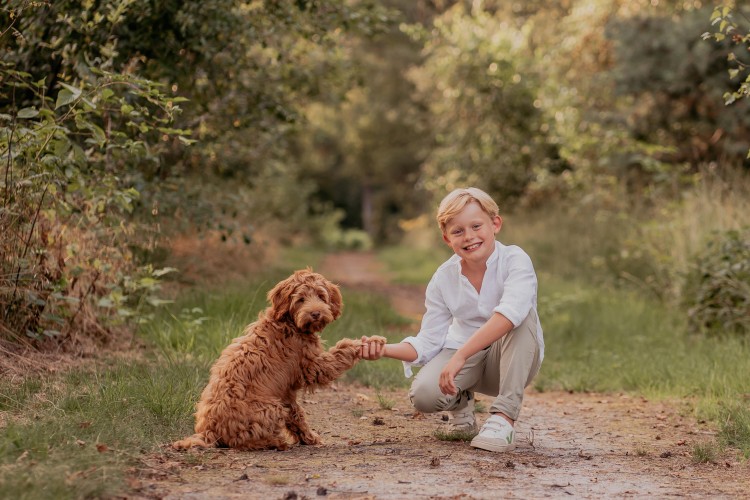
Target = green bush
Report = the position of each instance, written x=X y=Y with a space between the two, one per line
x=717 y=291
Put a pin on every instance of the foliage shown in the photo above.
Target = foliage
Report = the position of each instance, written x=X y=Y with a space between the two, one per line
x=718 y=289
x=675 y=84
x=484 y=116
x=66 y=191
x=365 y=148
x=729 y=28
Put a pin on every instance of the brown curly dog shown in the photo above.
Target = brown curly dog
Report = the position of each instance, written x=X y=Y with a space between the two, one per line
x=250 y=401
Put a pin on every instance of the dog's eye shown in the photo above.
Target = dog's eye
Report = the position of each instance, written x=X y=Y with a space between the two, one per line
x=300 y=300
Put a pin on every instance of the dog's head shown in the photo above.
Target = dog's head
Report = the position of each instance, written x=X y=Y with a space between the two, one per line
x=308 y=299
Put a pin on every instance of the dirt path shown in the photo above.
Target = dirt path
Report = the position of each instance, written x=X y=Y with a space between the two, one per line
x=580 y=445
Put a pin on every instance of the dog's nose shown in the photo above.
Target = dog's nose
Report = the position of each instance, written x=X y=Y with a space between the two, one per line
x=315 y=314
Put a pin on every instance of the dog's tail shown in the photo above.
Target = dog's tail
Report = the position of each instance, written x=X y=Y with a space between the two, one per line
x=194 y=441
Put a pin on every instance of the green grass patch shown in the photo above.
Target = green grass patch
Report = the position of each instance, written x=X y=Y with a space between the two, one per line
x=445 y=435
x=413 y=266
x=613 y=340
x=385 y=403
x=74 y=437
x=705 y=452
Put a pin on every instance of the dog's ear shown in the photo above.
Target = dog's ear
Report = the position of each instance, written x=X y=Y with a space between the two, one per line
x=337 y=303
x=280 y=298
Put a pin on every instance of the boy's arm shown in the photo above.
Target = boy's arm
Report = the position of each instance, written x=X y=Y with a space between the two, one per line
x=402 y=351
x=495 y=327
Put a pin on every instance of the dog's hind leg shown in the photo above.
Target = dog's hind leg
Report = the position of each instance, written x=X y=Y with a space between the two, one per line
x=297 y=425
x=194 y=441
x=264 y=427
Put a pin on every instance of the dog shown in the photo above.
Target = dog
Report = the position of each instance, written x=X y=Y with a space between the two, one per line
x=250 y=402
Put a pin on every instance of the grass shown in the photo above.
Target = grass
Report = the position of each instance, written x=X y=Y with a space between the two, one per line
x=74 y=436
x=705 y=452
x=444 y=435
x=385 y=403
x=412 y=266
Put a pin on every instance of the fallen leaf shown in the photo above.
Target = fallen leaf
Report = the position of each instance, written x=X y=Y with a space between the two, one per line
x=435 y=462
x=666 y=454
x=101 y=447
x=378 y=421
x=84 y=425
x=681 y=442
x=80 y=442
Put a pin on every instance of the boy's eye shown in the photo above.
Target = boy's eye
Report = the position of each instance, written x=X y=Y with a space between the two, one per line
x=477 y=226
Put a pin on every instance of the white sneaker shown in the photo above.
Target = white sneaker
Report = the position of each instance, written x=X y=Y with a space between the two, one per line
x=496 y=435
x=463 y=420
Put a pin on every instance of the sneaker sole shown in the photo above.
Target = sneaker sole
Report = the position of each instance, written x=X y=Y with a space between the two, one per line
x=491 y=445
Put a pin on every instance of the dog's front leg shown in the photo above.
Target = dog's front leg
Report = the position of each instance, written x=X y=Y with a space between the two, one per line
x=297 y=425
x=329 y=365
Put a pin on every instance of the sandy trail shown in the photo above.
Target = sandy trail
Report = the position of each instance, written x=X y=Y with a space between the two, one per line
x=579 y=445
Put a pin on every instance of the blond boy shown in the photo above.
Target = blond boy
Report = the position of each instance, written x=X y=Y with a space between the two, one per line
x=480 y=332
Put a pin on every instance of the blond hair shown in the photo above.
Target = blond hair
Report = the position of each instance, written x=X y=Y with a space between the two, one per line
x=459 y=198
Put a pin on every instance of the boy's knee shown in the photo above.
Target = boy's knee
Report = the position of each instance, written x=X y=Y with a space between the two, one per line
x=429 y=399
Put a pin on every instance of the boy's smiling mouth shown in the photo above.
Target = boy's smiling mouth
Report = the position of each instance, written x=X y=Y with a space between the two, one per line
x=473 y=246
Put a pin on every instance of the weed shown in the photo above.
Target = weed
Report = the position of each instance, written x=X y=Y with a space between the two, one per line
x=444 y=435
x=384 y=402
x=640 y=451
x=358 y=412
x=705 y=452
x=480 y=406
x=734 y=426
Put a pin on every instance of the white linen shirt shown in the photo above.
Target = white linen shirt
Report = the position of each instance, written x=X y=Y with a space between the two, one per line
x=455 y=310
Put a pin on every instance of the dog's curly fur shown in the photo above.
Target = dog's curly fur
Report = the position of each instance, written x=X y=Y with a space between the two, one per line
x=250 y=401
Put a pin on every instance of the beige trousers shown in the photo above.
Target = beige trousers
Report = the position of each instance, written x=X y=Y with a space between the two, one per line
x=503 y=370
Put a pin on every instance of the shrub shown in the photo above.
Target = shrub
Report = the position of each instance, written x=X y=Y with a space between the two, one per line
x=717 y=291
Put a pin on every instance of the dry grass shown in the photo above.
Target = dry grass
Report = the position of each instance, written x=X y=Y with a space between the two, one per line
x=206 y=259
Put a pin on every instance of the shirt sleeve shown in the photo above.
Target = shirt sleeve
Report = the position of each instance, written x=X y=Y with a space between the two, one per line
x=435 y=322
x=519 y=288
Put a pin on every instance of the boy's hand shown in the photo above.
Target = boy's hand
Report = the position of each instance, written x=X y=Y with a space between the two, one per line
x=372 y=347
x=448 y=375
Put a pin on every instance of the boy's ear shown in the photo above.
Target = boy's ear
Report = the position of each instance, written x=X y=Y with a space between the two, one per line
x=497 y=222
x=445 y=239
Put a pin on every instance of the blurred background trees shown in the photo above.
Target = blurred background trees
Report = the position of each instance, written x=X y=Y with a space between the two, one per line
x=601 y=126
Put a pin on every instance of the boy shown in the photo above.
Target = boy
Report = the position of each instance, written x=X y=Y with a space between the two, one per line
x=481 y=332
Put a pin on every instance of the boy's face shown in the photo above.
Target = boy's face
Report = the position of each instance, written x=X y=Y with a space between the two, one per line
x=471 y=233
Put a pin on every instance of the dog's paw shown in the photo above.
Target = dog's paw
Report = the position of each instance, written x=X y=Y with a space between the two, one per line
x=311 y=437
x=377 y=339
x=348 y=343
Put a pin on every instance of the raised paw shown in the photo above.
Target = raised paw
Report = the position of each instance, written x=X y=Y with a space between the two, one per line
x=377 y=339
x=348 y=343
